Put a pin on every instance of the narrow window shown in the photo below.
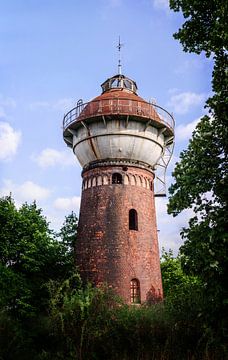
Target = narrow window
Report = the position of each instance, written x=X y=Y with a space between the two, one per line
x=133 y=220
x=135 y=291
x=116 y=178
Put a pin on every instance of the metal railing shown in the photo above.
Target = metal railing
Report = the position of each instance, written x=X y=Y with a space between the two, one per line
x=118 y=106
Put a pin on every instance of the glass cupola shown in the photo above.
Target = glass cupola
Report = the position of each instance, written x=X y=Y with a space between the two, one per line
x=119 y=82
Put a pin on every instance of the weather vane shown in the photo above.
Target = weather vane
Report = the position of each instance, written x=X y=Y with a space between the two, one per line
x=119 y=46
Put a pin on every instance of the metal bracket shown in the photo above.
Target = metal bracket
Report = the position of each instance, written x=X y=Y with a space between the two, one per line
x=127 y=122
x=161 y=167
x=104 y=121
x=69 y=140
x=147 y=124
x=73 y=132
x=161 y=131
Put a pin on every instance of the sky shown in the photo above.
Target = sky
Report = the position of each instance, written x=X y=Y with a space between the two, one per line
x=54 y=53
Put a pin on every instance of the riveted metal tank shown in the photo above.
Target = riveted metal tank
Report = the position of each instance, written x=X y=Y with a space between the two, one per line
x=119 y=127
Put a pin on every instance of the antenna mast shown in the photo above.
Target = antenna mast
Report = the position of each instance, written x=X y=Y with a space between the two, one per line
x=119 y=46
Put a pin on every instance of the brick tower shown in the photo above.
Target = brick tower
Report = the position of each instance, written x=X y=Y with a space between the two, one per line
x=120 y=139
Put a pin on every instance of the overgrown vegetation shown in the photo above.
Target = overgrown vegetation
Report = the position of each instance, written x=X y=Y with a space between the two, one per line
x=30 y=257
x=46 y=313
x=201 y=176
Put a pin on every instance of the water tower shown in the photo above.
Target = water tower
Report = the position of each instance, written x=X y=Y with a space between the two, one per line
x=123 y=144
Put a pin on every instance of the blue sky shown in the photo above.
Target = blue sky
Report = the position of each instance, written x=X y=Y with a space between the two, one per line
x=54 y=53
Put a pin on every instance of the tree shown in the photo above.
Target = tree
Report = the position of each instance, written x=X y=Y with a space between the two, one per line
x=201 y=179
x=68 y=235
x=29 y=257
x=173 y=277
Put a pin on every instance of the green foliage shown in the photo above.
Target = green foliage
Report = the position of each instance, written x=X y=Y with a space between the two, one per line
x=184 y=301
x=68 y=235
x=79 y=315
x=173 y=276
x=205 y=28
x=47 y=313
x=91 y=323
x=201 y=178
x=29 y=258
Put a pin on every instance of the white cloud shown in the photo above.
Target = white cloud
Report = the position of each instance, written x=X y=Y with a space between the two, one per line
x=68 y=204
x=32 y=191
x=55 y=218
x=181 y=103
x=9 y=141
x=161 y=4
x=57 y=211
x=184 y=132
x=28 y=191
x=52 y=157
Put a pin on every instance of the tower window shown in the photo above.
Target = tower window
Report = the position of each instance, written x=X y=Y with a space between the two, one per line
x=135 y=291
x=117 y=178
x=133 y=220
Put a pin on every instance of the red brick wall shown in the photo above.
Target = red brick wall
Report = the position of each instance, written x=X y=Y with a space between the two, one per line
x=106 y=250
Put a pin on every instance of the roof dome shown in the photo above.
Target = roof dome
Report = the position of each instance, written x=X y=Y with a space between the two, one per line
x=118 y=98
x=120 y=93
x=119 y=127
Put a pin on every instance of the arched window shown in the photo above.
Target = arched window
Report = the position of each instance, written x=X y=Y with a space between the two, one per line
x=135 y=291
x=116 y=178
x=133 y=219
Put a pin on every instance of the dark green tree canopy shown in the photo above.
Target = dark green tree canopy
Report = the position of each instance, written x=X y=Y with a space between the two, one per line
x=68 y=231
x=68 y=236
x=29 y=257
x=201 y=176
x=205 y=28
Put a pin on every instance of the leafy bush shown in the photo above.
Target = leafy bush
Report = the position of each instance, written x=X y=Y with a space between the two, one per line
x=91 y=323
x=46 y=313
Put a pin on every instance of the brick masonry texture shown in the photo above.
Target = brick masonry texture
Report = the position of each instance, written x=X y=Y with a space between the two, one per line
x=106 y=250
